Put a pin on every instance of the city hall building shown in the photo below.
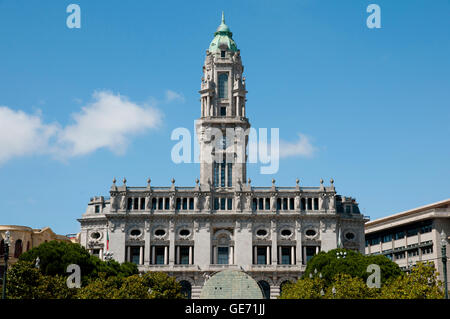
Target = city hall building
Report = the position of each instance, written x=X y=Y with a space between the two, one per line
x=222 y=222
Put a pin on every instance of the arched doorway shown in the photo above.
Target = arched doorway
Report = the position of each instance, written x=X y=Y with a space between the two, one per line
x=265 y=288
x=186 y=289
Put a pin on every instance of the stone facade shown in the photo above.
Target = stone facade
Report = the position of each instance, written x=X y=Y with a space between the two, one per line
x=411 y=236
x=223 y=222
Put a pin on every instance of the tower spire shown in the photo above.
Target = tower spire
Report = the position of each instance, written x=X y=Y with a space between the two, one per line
x=223 y=18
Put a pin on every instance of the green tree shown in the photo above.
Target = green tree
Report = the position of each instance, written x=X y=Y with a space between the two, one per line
x=345 y=286
x=304 y=288
x=154 y=285
x=55 y=256
x=421 y=283
x=354 y=264
x=27 y=282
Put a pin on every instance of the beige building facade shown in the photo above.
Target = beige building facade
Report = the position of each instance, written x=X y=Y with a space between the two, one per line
x=411 y=236
x=22 y=239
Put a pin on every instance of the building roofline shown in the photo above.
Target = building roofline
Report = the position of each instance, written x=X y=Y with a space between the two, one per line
x=407 y=213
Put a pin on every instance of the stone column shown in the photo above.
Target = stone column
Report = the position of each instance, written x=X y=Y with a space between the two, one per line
x=141 y=255
x=153 y=255
x=172 y=241
x=268 y=261
x=190 y=255
x=238 y=108
x=100 y=254
x=177 y=249
x=216 y=250
x=274 y=237
x=292 y=255
x=128 y=253
x=279 y=255
x=231 y=257
x=166 y=255
x=255 y=254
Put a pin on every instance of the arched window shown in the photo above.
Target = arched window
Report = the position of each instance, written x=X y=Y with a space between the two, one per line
x=28 y=245
x=223 y=85
x=186 y=289
x=265 y=288
x=18 y=248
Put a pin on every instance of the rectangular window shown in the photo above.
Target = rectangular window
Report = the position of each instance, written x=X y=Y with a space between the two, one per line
x=222 y=255
x=222 y=174
x=285 y=203
x=230 y=174
x=136 y=203
x=310 y=252
x=267 y=203
x=260 y=203
x=167 y=203
x=184 y=255
x=159 y=255
x=427 y=250
x=184 y=203
x=229 y=203
x=216 y=203
x=216 y=174
x=134 y=254
x=412 y=232
x=285 y=255
x=191 y=203
x=223 y=85
x=278 y=203
x=254 y=204
x=142 y=203
x=399 y=235
x=178 y=204
x=222 y=54
x=222 y=203
x=316 y=204
x=154 y=203
x=302 y=204
x=130 y=204
x=97 y=208
x=261 y=255
x=347 y=209
x=96 y=252
x=223 y=111
x=291 y=204
x=413 y=252
x=386 y=238
x=309 y=203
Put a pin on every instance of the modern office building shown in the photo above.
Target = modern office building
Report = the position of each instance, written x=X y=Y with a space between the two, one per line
x=223 y=222
x=411 y=236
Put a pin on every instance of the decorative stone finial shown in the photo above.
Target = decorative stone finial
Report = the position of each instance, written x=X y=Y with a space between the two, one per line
x=196 y=181
x=297 y=181
x=173 y=181
x=249 y=181
x=273 y=181
x=331 y=181
x=321 y=181
x=124 y=181
x=114 y=181
x=149 y=180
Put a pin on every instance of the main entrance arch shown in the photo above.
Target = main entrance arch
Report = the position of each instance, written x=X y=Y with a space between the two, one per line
x=231 y=284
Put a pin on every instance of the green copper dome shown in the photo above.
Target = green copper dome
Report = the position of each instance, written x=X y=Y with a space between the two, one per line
x=223 y=37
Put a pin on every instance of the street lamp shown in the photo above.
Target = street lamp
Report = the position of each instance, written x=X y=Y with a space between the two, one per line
x=6 y=256
x=444 y=261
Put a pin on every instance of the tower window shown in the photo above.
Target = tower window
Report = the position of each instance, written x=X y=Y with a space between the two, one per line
x=223 y=85
x=222 y=54
x=223 y=111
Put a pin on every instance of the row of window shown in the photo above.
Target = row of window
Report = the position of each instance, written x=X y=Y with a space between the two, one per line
x=221 y=255
x=285 y=204
x=223 y=174
x=411 y=253
x=18 y=248
x=399 y=233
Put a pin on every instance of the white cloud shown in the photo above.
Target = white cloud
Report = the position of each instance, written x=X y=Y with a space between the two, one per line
x=23 y=134
x=107 y=122
x=302 y=147
x=174 y=96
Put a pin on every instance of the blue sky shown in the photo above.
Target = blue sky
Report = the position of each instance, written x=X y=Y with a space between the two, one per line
x=373 y=103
